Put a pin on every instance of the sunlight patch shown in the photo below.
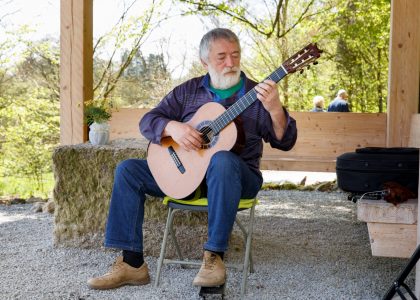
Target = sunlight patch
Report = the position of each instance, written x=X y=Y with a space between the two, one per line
x=5 y=218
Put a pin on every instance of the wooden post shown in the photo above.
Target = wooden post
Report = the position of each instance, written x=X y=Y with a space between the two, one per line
x=76 y=68
x=404 y=69
x=414 y=141
x=417 y=284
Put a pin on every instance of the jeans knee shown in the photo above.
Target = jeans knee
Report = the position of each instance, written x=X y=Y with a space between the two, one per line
x=224 y=162
x=123 y=167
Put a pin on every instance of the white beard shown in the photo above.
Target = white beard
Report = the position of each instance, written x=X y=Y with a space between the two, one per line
x=223 y=81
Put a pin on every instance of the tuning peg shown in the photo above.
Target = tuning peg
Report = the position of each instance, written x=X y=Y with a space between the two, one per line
x=309 y=66
x=315 y=63
x=301 y=71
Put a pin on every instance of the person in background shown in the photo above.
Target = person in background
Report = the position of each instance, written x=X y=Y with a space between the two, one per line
x=339 y=104
x=230 y=176
x=318 y=104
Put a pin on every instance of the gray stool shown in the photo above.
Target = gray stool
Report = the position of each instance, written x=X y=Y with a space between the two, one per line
x=201 y=205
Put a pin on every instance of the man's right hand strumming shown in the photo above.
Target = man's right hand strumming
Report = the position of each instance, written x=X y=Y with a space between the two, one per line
x=184 y=135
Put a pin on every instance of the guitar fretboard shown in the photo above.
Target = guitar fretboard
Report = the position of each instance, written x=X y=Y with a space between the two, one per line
x=243 y=103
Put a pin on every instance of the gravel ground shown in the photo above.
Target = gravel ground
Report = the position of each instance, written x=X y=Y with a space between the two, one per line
x=307 y=245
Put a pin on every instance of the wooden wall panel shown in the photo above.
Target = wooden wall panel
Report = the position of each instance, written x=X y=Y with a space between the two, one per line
x=324 y=136
x=125 y=123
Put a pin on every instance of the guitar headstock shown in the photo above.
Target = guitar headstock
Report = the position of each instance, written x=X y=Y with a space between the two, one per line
x=302 y=58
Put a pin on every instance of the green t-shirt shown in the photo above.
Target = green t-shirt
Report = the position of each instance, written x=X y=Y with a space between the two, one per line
x=223 y=94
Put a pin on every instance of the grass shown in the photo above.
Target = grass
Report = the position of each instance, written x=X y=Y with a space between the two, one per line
x=326 y=186
x=26 y=187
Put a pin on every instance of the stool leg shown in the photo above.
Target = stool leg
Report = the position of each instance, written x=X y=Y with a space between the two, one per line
x=174 y=239
x=247 y=252
x=163 y=247
x=245 y=234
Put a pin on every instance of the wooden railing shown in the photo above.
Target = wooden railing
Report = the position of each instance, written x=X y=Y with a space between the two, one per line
x=321 y=138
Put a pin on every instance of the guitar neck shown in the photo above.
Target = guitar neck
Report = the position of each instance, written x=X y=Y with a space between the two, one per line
x=243 y=103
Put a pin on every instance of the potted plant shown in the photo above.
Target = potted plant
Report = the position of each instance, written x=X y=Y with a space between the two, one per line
x=97 y=114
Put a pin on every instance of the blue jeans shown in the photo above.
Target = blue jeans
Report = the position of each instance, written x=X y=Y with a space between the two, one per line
x=228 y=179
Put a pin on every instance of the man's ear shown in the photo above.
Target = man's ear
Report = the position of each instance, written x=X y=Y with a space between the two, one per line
x=204 y=64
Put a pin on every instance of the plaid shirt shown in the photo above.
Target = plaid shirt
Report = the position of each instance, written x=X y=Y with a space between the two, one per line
x=184 y=100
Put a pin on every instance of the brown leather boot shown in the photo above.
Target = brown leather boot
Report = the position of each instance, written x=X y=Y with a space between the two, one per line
x=212 y=271
x=120 y=274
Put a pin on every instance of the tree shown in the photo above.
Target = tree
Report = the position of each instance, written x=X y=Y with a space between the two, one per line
x=41 y=65
x=29 y=112
x=30 y=135
x=362 y=52
x=131 y=31
x=144 y=82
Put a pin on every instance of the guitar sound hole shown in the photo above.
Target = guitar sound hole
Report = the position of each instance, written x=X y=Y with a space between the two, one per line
x=208 y=137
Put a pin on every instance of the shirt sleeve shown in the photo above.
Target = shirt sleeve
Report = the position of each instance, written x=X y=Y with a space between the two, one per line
x=154 y=122
x=289 y=137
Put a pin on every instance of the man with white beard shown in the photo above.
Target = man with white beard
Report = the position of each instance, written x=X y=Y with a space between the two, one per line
x=231 y=175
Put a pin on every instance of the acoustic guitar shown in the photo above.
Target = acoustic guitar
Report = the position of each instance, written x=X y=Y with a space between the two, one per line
x=179 y=172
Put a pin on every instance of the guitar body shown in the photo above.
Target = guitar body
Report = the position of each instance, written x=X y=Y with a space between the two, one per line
x=180 y=181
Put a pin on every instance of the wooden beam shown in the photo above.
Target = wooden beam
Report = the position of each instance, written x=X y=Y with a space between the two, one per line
x=404 y=69
x=392 y=240
x=414 y=141
x=76 y=67
x=417 y=283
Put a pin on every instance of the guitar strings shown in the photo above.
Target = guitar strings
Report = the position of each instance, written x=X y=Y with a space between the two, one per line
x=235 y=108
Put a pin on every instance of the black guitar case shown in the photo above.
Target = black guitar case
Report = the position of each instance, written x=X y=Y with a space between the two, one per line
x=367 y=169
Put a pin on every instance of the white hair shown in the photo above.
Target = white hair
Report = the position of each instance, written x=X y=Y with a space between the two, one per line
x=341 y=92
x=318 y=101
x=211 y=36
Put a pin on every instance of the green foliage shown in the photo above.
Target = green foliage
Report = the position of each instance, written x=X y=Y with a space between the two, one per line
x=26 y=187
x=325 y=186
x=144 y=82
x=97 y=112
x=127 y=36
x=29 y=118
x=362 y=53
x=30 y=132
x=40 y=65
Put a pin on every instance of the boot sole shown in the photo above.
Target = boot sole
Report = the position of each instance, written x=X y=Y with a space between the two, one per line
x=211 y=284
x=120 y=284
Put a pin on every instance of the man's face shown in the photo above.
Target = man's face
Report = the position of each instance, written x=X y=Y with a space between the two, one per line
x=224 y=64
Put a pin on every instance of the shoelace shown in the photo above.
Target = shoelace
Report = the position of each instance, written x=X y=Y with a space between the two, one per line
x=115 y=267
x=210 y=262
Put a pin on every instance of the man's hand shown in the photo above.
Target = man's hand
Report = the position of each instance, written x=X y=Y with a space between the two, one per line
x=268 y=94
x=184 y=135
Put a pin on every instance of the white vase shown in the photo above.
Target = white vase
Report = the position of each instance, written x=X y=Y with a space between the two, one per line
x=99 y=133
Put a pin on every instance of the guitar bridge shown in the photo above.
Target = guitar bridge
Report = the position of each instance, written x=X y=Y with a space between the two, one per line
x=176 y=159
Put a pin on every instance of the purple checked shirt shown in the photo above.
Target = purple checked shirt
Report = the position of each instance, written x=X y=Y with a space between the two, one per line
x=184 y=100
